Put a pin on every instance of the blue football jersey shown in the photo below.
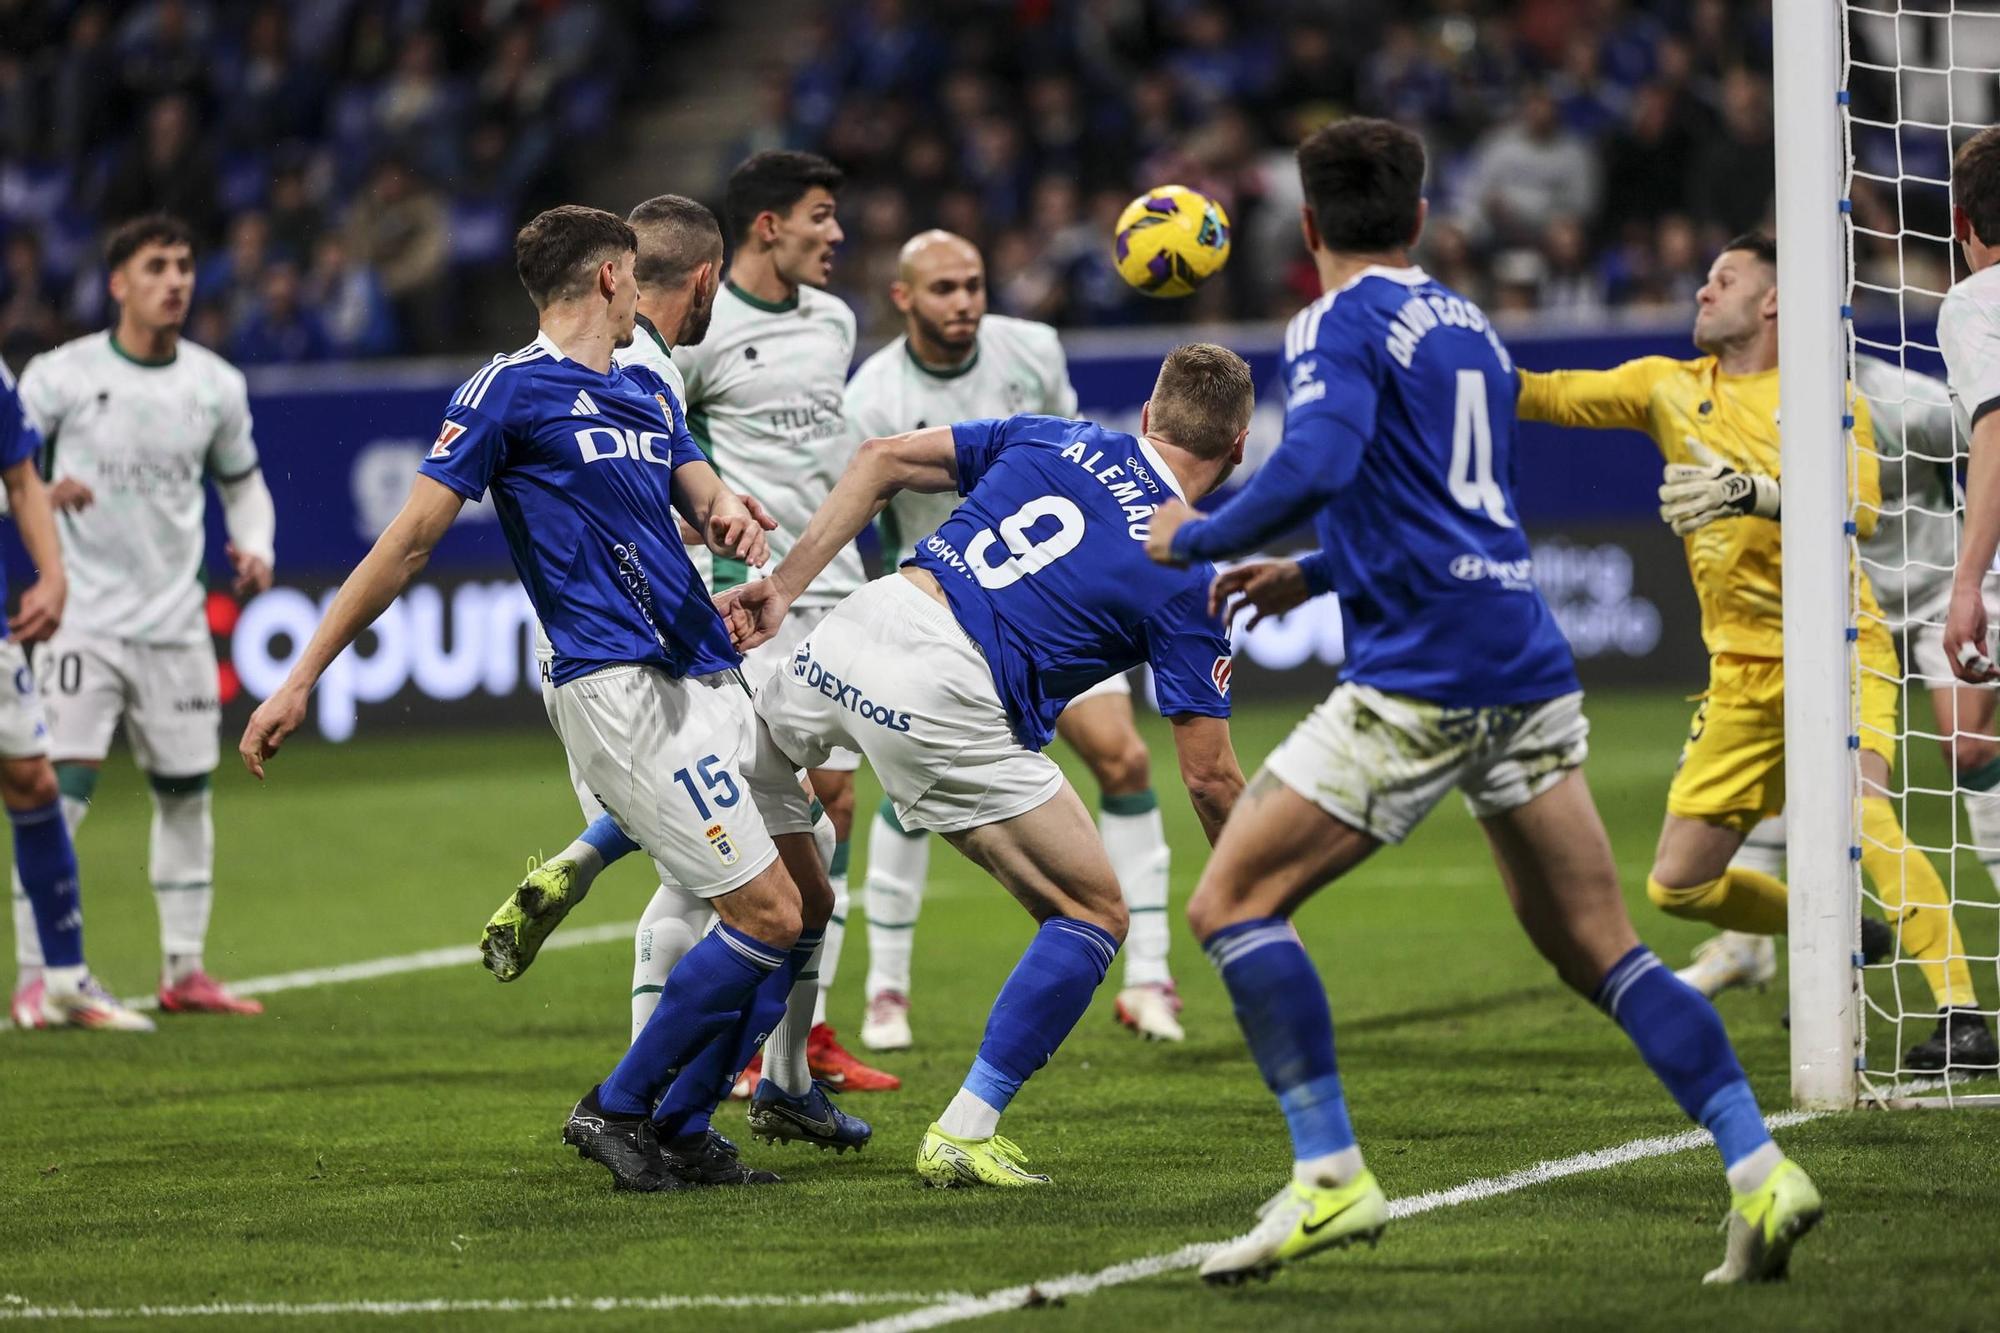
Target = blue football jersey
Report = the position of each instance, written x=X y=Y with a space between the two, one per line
x=18 y=440
x=1399 y=441
x=1045 y=566
x=581 y=467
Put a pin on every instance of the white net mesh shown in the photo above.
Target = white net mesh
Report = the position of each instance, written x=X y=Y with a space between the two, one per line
x=1920 y=77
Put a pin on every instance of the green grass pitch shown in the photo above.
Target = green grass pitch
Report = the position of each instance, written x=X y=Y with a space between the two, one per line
x=396 y=1139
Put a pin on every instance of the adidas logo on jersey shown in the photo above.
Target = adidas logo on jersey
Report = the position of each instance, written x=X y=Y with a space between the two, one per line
x=582 y=407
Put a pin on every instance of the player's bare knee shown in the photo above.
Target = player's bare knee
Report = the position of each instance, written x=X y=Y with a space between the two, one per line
x=27 y=784
x=837 y=795
x=1125 y=770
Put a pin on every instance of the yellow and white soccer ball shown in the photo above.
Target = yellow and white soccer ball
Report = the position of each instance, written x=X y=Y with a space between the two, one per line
x=1171 y=240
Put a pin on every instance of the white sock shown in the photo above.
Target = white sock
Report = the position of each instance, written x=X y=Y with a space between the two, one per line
x=27 y=940
x=785 y=1050
x=892 y=894
x=182 y=865
x=1753 y=1170
x=1328 y=1172
x=968 y=1117
x=672 y=923
x=1764 y=849
x=1982 y=819
x=836 y=931
x=1136 y=842
x=589 y=862
x=64 y=980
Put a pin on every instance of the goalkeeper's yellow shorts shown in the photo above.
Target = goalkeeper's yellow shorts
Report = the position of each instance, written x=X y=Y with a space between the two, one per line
x=1732 y=768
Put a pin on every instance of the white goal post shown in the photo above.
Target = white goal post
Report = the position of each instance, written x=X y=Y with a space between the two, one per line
x=1870 y=99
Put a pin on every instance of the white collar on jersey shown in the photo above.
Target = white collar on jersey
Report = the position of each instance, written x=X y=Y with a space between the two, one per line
x=1413 y=276
x=1166 y=474
x=548 y=344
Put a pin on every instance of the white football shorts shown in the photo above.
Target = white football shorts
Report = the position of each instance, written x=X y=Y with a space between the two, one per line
x=889 y=673
x=24 y=729
x=683 y=767
x=1380 y=762
x=767 y=659
x=166 y=695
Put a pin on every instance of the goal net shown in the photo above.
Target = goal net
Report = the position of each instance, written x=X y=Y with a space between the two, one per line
x=1872 y=97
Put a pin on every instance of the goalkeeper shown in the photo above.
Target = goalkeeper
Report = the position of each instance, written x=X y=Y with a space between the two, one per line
x=1715 y=419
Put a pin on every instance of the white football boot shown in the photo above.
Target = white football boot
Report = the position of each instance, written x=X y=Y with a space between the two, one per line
x=86 y=1004
x=1729 y=960
x=1152 y=1011
x=887 y=1024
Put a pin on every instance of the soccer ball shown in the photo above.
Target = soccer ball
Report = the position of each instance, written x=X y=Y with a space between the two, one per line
x=1171 y=240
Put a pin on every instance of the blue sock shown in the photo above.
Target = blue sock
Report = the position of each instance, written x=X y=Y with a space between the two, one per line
x=46 y=859
x=705 y=994
x=1282 y=1008
x=608 y=839
x=1681 y=1039
x=700 y=1086
x=1042 y=999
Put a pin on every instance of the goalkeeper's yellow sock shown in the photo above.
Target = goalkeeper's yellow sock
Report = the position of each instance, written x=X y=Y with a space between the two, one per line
x=1910 y=888
x=1739 y=899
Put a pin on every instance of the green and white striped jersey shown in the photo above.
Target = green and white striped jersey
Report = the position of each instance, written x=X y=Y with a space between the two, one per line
x=766 y=401
x=1017 y=366
x=1910 y=557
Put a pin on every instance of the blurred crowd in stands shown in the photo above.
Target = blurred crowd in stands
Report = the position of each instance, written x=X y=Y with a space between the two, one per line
x=352 y=168
x=355 y=166
x=1586 y=154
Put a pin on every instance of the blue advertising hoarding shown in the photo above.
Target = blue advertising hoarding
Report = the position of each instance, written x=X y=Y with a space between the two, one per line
x=340 y=444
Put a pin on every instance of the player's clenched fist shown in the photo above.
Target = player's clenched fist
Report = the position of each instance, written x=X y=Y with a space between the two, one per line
x=1265 y=587
x=1965 y=636
x=275 y=719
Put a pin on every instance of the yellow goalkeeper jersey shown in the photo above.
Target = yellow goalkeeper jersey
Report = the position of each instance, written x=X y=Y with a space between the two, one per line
x=1696 y=414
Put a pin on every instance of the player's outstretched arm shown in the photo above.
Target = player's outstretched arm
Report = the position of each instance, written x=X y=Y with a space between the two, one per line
x=918 y=460
x=1965 y=643
x=42 y=603
x=1309 y=466
x=1208 y=768
x=1594 y=399
x=398 y=554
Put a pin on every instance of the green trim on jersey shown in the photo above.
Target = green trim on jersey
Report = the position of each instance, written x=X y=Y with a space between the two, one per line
x=951 y=373
x=759 y=303
x=648 y=326
x=697 y=424
x=141 y=361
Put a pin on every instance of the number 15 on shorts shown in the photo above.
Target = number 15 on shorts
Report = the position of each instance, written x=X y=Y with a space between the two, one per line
x=711 y=782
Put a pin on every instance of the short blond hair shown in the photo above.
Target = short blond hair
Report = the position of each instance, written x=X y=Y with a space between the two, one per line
x=1202 y=399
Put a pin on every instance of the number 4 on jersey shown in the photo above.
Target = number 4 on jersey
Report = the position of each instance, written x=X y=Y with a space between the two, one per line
x=1471 y=476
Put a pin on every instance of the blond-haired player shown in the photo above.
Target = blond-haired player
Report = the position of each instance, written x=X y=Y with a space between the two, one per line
x=956 y=362
x=1715 y=419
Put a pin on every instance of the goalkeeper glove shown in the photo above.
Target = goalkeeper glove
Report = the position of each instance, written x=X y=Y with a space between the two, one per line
x=1693 y=495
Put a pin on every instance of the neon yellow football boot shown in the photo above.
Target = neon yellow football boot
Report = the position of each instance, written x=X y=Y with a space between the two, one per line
x=516 y=932
x=1764 y=1224
x=948 y=1162
x=1297 y=1221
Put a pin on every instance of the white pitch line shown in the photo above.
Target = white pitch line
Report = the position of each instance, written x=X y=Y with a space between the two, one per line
x=18 y=1308
x=1188 y=1256
x=427 y=960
